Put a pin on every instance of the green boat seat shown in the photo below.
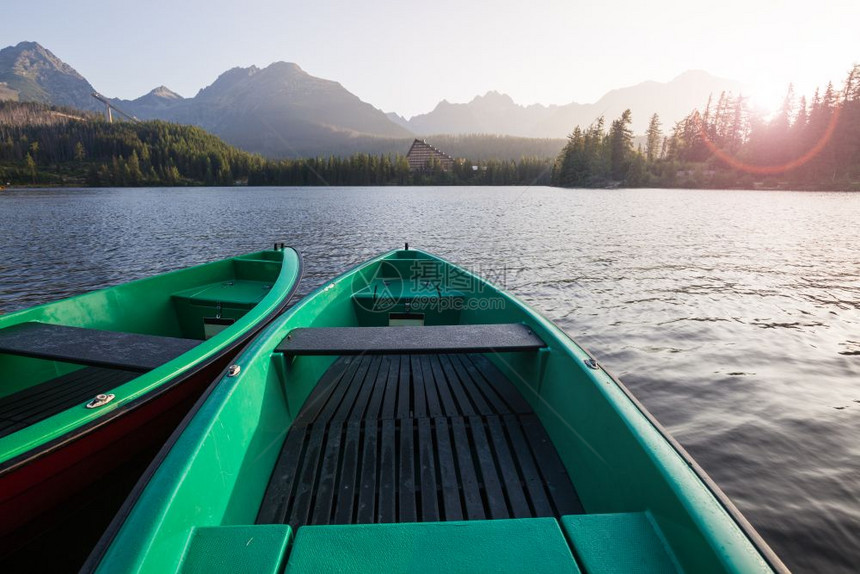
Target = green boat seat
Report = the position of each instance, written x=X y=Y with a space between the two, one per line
x=500 y=546
x=93 y=347
x=206 y=310
x=499 y=338
x=234 y=293
x=623 y=542
x=254 y=549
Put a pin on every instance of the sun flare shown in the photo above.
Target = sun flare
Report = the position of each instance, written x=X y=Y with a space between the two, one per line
x=766 y=98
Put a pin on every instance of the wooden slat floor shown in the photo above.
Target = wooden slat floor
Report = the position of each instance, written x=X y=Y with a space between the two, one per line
x=415 y=438
x=39 y=402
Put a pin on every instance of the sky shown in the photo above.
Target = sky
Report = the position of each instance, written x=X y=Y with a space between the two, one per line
x=407 y=56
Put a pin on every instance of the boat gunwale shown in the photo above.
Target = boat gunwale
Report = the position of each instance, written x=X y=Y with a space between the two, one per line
x=16 y=462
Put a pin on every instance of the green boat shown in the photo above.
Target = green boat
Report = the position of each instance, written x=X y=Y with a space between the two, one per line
x=410 y=417
x=91 y=382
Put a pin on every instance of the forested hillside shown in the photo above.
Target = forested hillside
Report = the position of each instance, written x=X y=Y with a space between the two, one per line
x=55 y=146
x=805 y=145
x=476 y=147
x=44 y=145
x=365 y=169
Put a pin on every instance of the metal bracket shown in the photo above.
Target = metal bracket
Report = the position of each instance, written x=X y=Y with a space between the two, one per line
x=100 y=401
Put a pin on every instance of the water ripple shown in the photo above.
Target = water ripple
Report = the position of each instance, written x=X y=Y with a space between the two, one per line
x=732 y=315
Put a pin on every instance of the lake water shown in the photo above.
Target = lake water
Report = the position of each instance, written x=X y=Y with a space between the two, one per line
x=734 y=316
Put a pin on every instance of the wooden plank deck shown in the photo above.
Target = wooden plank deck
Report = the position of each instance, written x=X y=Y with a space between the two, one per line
x=406 y=438
x=39 y=402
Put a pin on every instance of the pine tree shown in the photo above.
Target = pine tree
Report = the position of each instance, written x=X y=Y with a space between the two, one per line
x=654 y=137
x=851 y=91
x=797 y=133
x=722 y=124
x=621 y=145
x=30 y=165
x=135 y=175
x=739 y=130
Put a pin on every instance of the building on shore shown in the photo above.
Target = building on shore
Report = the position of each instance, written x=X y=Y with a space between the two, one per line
x=421 y=155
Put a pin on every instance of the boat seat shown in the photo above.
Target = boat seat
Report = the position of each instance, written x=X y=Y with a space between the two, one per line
x=622 y=542
x=500 y=338
x=534 y=545
x=92 y=347
x=236 y=293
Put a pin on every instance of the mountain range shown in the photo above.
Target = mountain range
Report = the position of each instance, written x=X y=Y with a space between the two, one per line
x=278 y=111
x=282 y=111
x=498 y=113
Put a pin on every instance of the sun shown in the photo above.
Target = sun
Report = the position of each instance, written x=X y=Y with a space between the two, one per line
x=766 y=98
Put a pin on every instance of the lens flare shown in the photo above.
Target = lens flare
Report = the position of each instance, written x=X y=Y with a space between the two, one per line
x=741 y=165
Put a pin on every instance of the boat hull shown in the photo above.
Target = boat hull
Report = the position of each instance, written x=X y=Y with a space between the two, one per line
x=33 y=488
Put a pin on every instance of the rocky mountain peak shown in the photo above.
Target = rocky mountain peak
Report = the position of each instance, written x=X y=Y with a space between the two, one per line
x=164 y=92
x=34 y=73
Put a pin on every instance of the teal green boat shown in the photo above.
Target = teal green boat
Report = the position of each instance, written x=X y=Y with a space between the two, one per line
x=408 y=416
x=90 y=382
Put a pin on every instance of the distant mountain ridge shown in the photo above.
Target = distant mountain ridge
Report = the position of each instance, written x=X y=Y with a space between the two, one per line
x=278 y=111
x=499 y=114
x=282 y=111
